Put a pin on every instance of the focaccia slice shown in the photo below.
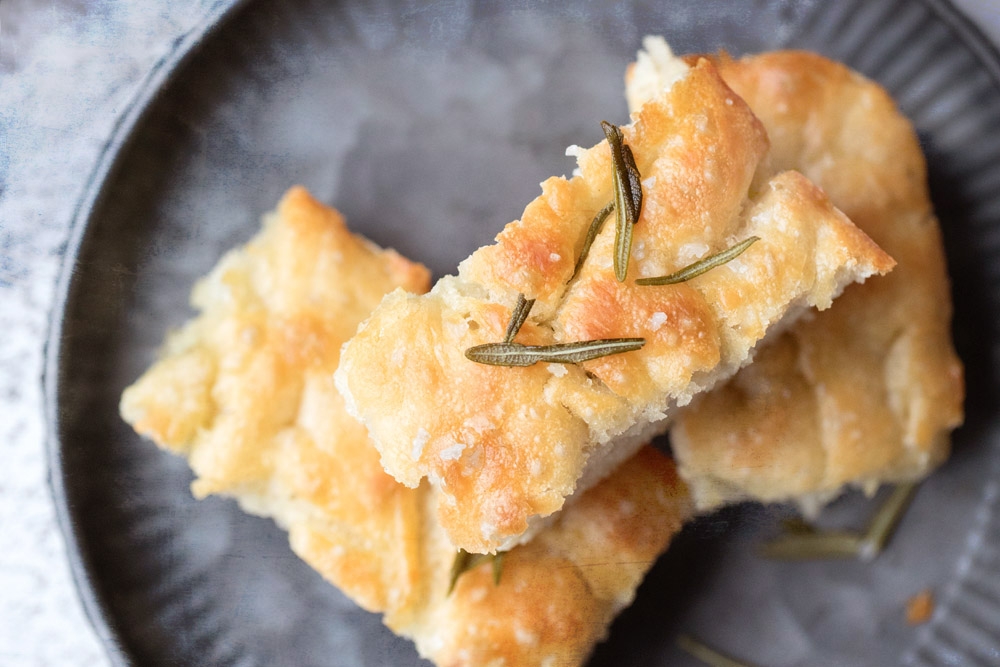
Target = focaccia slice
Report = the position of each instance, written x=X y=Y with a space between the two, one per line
x=557 y=594
x=506 y=446
x=245 y=392
x=868 y=391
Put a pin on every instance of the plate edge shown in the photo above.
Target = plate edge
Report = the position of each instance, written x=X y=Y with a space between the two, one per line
x=972 y=35
x=163 y=71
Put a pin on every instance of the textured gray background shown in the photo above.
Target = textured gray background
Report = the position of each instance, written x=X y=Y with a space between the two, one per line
x=68 y=70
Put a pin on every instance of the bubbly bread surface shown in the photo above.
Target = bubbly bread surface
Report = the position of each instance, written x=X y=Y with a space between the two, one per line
x=868 y=391
x=557 y=594
x=245 y=392
x=273 y=315
x=505 y=447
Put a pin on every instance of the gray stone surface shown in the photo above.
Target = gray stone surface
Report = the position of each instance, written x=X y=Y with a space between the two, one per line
x=68 y=70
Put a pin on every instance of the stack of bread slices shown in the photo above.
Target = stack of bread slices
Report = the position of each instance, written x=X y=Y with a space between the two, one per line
x=325 y=385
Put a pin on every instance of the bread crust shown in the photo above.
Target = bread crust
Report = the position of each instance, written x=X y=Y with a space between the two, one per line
x=506 y=446
x=868 y=391
x=559 y=593
x=285 y=303
x=244 y=391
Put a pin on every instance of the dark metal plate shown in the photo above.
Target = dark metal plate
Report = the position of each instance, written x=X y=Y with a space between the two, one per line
x=430 y=126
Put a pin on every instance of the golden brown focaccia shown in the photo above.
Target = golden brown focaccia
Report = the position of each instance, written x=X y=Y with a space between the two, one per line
x=557 y=594
x=245 y=391
x=868 y=391
x=506 y=446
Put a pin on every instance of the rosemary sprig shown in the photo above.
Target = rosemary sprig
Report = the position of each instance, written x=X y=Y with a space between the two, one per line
x=497 y=565
x=808 y=546
x=465 y=561
x=702 y=265
x=628 y=196
x=509 y=353
x=888 y=516
x=706 y=654
x=515 y=354
x=634 y=180
x=595 y=228
x=803 y=542
x=517 y=317
x=796 y=525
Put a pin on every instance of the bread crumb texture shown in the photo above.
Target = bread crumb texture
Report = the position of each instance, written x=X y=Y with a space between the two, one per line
x=920 y=607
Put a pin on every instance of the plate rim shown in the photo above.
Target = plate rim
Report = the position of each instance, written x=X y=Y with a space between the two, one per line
x=165 y=69
x=985 y=51
x=95 y=190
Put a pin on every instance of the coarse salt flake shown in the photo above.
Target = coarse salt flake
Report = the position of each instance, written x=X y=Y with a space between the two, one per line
x=419 y=442
x=524 y=637
x=452 y=453
x=689 y=252
x=657 y=320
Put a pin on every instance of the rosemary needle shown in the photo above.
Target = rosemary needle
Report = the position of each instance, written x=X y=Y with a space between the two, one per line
x=702 y=265
x=465 y=561
x=634 y=181
x=595 y=229
x=796 y=525
x=628 y=196
x=497 y=563
x=808 y=546
x=509 y=353
x=515 y=354
x=886 y=519
x=706 y=654
x=518 y=317
x=802 y=542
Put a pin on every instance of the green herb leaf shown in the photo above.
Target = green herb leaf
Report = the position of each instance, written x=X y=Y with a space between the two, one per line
x=803 y=542
x=888 y=516
x=628 y=196
x=595 y=228
x=465 y=561
x=518 y=317
x=515 y=354
x=706 y=654
x=701 y=266
x=634 y=181
x=796 y=525
x=497 y=567
x=623 y=249
x=810 y=546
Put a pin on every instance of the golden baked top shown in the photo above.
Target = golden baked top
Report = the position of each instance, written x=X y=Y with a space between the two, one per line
x=506 y=446
x=245 y=391
x=273 y=315
x=559 y=593
x=869 y=390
